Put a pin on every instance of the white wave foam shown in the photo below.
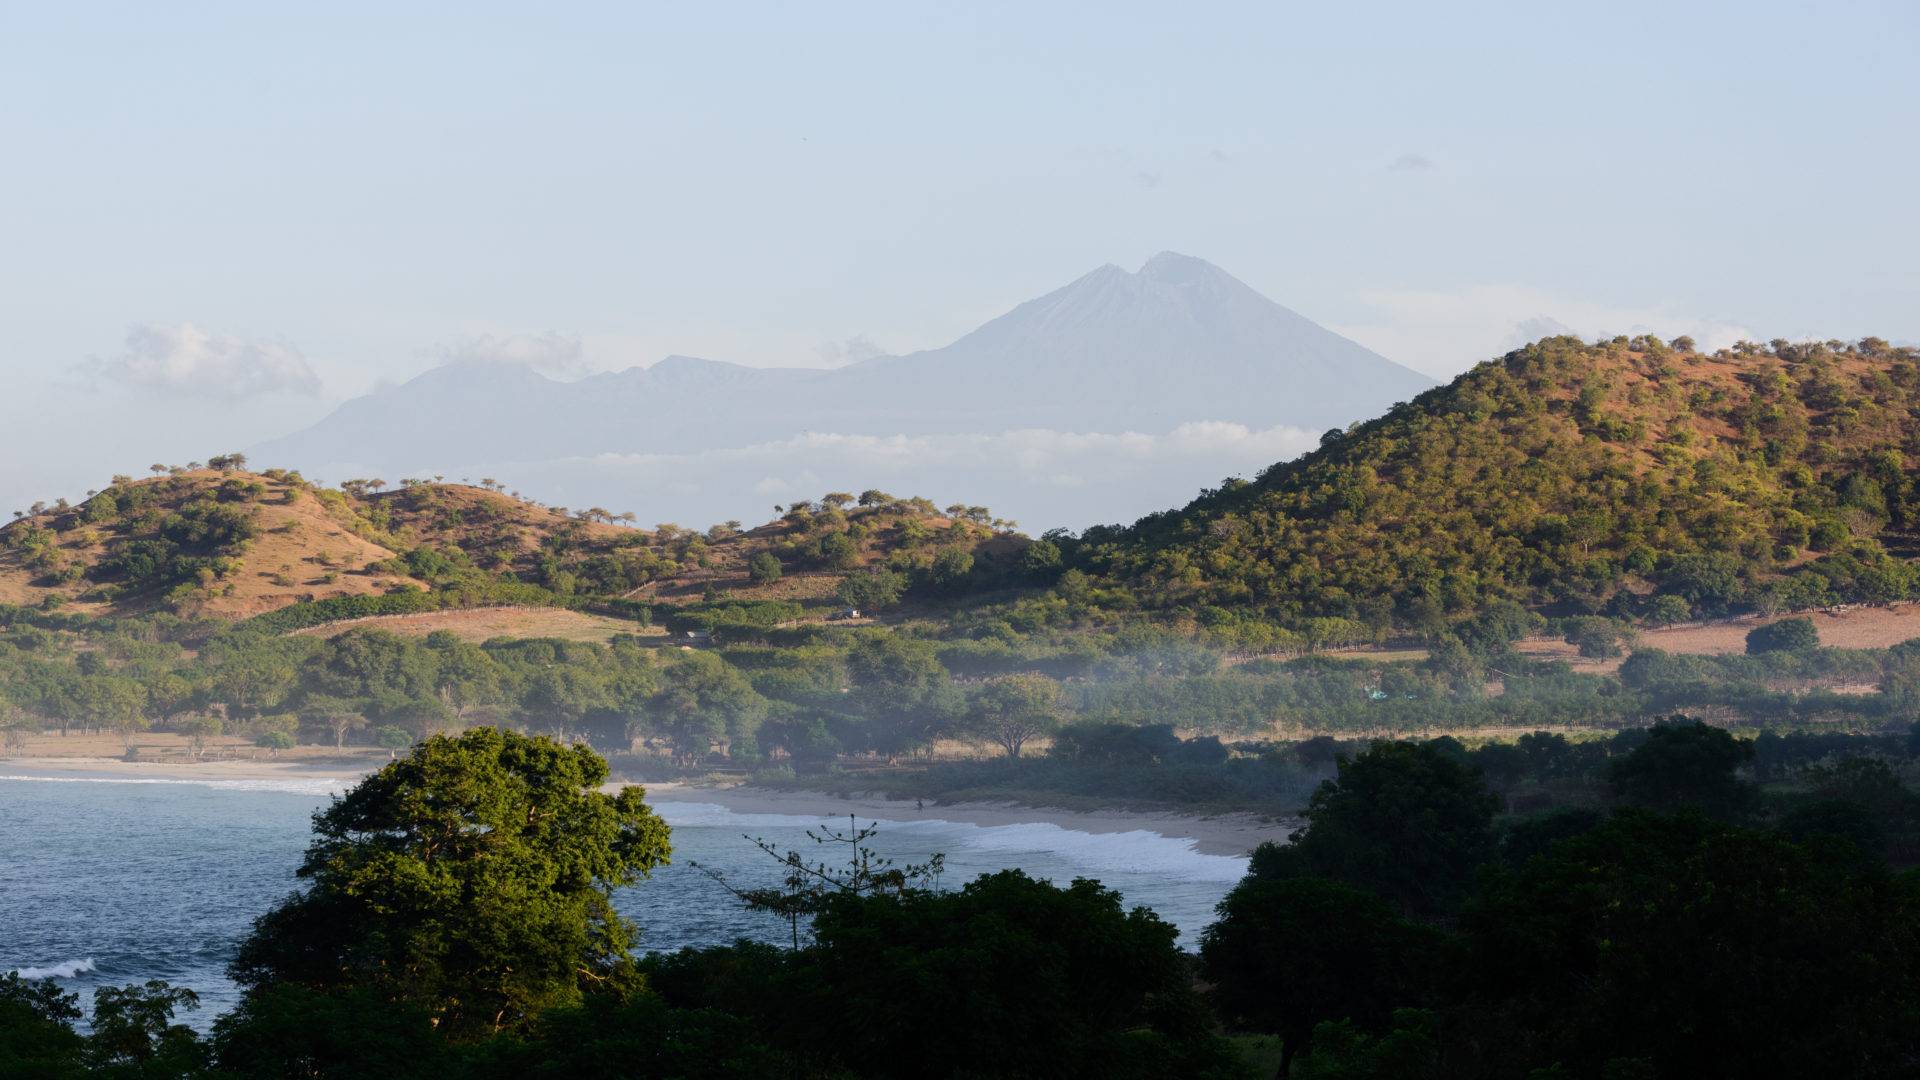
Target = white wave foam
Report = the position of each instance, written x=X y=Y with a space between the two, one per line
x=693 y=814
x=64 y=970
x=1135 y=851
x=315 y=785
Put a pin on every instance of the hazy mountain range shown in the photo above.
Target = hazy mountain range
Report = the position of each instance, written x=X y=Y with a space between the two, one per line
x=1115 y=395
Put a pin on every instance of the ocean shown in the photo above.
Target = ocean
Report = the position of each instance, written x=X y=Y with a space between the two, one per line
x=111 y=880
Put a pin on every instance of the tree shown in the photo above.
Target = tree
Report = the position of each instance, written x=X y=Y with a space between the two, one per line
x=1405 y=821
x=950 y=569
x=133 y=1030
x=1685 y=763
x=1787 y=635
x=1288 y=954
x=1009 y=711
x=1628 y=941
x=1598 y=638
x=838 y=551
x=472 y=879
x=903 y=692
x=1042 y=560
x=15 y=725
x=285 y=1030
x=115 y=702
x=37 y=1038
x=392 y=739
x=1006 y=977
x=641 y=1036
x=274 y=741
x=805 y=887
x=704 y=700
x=199 y=730
x=871 y=590
x=337 y=715
x=465 y=677
x=763 y=568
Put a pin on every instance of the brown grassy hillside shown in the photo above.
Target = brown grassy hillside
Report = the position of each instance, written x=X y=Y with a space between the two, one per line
x=231 y=543
x=227 y=544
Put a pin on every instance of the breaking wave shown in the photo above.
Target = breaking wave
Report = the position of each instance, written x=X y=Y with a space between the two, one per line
x=316 y=785
x=65 y=970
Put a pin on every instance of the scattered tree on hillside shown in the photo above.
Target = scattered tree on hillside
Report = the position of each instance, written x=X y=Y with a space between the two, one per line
x=1787 y=635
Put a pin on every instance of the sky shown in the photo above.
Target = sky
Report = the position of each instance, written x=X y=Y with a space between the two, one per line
x=218 y=221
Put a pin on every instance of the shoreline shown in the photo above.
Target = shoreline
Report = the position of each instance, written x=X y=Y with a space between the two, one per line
x=121 y=769
x=1232 y=835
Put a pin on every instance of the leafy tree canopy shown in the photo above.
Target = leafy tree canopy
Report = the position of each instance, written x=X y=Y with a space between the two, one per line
x=472 y=879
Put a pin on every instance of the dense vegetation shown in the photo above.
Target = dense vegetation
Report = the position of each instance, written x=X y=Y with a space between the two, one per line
x=1124 y=716
x=1704 y=928
x=455 y=921
x=1629 y=478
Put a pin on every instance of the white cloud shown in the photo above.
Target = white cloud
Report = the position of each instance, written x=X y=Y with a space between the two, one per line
x=1444 y=332
x=183 y=358
x=1410 y=163
x=549 y=353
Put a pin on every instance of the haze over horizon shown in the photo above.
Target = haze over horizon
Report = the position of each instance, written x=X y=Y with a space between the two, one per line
x=294 y=211
x=1116 y=395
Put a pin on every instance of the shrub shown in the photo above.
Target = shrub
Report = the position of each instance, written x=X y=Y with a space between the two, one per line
x=1787 y=635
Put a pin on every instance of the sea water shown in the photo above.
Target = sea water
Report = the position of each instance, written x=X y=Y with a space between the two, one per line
x=110 y=880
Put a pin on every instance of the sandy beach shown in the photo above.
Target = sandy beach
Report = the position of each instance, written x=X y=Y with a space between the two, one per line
x=1226 y=834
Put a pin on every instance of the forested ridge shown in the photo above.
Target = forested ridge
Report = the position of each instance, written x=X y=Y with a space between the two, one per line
x=1630 y=478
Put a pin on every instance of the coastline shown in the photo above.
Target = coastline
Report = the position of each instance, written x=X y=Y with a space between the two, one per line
x=1232 y=835
x=1221 y=834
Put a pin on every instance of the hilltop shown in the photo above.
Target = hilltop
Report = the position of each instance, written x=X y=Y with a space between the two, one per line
x=228 y=543
x=1630 y=478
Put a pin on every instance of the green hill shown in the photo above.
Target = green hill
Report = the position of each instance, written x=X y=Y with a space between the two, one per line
x=1629 y=478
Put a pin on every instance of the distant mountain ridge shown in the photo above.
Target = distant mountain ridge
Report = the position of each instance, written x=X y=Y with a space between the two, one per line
x=1180 y=341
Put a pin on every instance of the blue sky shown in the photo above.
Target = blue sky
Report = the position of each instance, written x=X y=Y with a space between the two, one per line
x=347 y=193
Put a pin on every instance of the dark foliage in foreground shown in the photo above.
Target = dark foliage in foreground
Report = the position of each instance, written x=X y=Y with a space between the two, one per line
x=1643 y=944
x=1697 y=929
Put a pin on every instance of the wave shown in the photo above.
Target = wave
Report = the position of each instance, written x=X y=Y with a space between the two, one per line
x=1134 y=851
x=317 y=785
x=693 y=814
x=65 y=970
x=1137 y=851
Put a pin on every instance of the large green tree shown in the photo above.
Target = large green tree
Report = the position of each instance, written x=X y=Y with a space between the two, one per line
x=1286 y=955
x=1405 y=821
x=472 y=879
x=1006 y=977
x=1685 y=764
x=1695 y=949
